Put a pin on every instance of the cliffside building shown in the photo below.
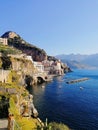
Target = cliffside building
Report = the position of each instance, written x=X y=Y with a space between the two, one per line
x=53 y=67
x=39 y=66
x=3 y=41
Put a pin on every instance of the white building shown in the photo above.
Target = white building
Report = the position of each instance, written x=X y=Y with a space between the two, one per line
x=29 y=58
x=39 y=66
x=3 y=41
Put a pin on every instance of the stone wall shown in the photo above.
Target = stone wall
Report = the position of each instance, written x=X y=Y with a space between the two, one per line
x=4 y=75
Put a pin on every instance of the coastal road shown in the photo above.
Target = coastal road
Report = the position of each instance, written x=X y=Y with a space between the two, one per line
x=3 y=124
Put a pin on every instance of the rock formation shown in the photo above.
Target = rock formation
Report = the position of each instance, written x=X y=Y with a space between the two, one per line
x=39 y=55
x=17 y=42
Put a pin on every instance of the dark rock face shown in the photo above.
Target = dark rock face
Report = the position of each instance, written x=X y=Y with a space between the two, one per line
x=17 y=42
x=4 y=105
x=9 y=34
x=52 y=58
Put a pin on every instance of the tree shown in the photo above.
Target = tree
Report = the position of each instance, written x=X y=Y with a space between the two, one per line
x=6 y=62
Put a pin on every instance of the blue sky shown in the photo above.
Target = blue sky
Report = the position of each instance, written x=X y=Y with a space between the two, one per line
x=57 y=26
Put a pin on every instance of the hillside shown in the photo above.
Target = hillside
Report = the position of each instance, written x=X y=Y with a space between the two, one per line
x=18 y=45
x=14 y=40
x=9 y=50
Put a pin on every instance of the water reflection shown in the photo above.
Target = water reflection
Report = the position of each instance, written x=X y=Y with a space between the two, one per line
x=38 y=92
x=37 y=89
x=65 y=103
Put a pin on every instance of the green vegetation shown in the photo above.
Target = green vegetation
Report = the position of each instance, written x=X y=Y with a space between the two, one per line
x=27 y=124
x=6 y=62
x=13 y=77
x=9 y=50
x=19 y=42
x=53 y=126
x=57 y=126
x=0 y=63
x=13 y=109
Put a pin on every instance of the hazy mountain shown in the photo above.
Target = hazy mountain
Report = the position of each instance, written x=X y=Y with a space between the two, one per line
x=80 y=61
x=75 y=64
x=76 y=57
x=91 y=60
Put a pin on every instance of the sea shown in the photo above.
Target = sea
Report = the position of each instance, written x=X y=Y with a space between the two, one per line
x=75 y=105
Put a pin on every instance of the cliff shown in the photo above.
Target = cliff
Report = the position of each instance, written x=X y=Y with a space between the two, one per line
x=20 y=72
x=63 y=64
x=16 y=41
x=21 y=65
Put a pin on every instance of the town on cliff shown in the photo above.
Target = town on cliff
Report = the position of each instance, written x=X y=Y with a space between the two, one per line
x=23 y=64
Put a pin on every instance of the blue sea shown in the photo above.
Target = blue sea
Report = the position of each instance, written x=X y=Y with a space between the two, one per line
x=68 y=103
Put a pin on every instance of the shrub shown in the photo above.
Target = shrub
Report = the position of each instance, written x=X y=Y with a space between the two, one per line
x=58 y=126
x=6 y=62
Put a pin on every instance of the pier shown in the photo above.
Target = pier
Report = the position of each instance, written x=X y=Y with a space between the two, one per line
x=76 y=80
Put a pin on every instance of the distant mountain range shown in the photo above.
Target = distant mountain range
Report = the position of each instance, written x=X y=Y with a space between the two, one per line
x=80 y=61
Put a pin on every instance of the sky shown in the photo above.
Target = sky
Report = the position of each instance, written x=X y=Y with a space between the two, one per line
x=57 y=26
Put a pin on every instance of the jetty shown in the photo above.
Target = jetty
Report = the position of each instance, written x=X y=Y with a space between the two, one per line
x=76 y=80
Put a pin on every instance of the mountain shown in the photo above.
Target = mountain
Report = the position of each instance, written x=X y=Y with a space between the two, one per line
x=91 y=60
x=76 y=57
x=75 y=64
x=16 y=41
x=80 y=61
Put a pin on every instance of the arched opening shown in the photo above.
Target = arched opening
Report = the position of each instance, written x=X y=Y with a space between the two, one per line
x=28 y=80
x=40 y=80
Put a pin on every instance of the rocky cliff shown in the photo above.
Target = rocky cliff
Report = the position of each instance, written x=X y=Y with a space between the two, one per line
x=22 y=67
x=63 y=64
x=16 y=41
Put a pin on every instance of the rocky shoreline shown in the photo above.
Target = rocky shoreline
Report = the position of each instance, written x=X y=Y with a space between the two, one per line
x=19 y=103
x=22 y=65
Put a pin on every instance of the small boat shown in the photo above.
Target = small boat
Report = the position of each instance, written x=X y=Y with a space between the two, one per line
x=43 y=86
x=81 y=88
